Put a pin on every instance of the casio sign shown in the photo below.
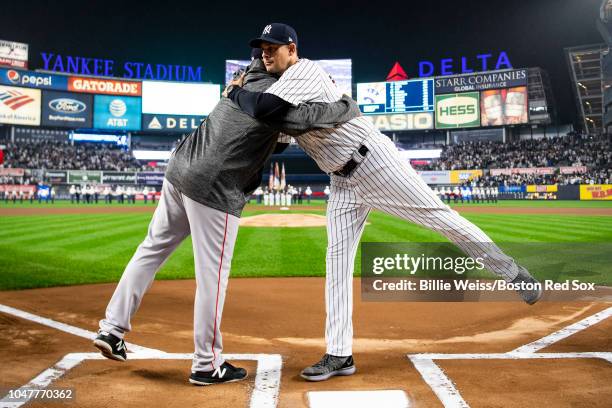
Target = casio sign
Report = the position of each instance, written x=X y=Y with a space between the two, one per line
x=65 y=105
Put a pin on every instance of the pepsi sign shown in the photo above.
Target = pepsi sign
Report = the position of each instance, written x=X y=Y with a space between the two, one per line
x=31 y=79
x=64 y=109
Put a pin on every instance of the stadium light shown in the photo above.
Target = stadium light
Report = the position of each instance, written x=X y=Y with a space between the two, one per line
x=580 y=84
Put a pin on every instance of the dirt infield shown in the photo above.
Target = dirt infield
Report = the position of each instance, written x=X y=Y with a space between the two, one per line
x=147 y=209
x=286 y=317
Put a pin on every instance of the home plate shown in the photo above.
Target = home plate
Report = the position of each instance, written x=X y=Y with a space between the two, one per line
x=358 y=399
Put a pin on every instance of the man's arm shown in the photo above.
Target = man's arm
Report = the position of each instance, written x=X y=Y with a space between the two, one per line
x=294 y=121
x=259 y=105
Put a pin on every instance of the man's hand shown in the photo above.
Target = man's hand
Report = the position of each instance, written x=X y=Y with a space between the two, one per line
x=239 y=81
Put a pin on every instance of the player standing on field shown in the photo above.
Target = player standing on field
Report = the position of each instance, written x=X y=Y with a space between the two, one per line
x=366 y=172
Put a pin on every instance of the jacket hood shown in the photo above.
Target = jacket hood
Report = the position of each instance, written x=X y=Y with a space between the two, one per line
x=256 y=71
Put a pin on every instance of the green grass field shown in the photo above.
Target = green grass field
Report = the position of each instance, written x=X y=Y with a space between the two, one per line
x=52 y=250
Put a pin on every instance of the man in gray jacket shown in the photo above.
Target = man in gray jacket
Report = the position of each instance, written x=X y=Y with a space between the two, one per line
x=209 y=176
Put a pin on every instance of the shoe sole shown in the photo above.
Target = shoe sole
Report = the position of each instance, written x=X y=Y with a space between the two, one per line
x=196 y=382
x=107 y=350
x=538 y=297
x=342 y=372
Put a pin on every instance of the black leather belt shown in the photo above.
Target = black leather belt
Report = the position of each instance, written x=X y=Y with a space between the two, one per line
x=351 y=164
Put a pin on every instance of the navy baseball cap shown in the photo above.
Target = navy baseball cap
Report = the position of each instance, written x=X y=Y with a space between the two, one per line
x=275 y=33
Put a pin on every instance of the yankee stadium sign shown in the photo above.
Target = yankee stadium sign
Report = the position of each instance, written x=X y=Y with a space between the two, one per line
x=132 y=70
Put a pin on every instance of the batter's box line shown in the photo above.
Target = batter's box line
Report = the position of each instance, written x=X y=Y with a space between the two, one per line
x=445 y=389
x=448 y=394
x=265 y=393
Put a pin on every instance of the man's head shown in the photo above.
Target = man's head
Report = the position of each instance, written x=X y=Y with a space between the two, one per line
x=279 y=45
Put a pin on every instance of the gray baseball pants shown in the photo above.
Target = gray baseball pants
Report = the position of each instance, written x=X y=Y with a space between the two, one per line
x=213 y=233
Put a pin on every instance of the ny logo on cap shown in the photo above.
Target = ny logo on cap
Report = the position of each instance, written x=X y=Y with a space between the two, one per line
x=267 y=29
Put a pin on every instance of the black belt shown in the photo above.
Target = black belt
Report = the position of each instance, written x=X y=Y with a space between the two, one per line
x=351 y=164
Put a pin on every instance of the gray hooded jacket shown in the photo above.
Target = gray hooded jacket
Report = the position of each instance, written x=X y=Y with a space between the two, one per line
x=220 y=164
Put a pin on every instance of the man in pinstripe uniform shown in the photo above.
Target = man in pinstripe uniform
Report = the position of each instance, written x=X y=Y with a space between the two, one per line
x=366 y=172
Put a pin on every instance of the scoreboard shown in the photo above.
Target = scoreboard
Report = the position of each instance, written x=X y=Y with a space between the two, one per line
x=415 y=95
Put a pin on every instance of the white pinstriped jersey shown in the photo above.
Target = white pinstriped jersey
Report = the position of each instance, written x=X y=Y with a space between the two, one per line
x=306 y=81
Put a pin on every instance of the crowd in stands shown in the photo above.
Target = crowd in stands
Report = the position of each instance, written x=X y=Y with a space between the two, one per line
x=595 y=154
x=569 y=151
x=596 y=176
x=553 y=152
x=62 y=155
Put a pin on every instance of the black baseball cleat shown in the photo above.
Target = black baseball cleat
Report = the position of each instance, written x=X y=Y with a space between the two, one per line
x=225 y=373
x=328 y=367
x=533 y=290
x=110 y=346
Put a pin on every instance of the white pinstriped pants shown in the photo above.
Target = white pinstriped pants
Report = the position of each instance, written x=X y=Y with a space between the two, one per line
x=213 y=234
x=386 y=182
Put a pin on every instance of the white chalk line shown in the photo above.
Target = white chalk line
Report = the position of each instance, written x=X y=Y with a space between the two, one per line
x=267 y=380
x=565 y=332
x=445 y=389
x=265 y=393
x=76 y=331
x=439 y=382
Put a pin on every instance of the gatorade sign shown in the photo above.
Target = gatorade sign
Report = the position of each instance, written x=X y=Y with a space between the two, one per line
x=457 y=110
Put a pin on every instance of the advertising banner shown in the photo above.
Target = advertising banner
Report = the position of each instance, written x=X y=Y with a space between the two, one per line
x=13 y=54
x=435 y=177
x=415 y=95
x=150 y=178
x=461 y=176
x=512 y=189
x=104 y=86
x=66 y=109
x=56 y=176
x=19 y=106
x=118 y=177
x=10 y=188
x=84 y=176
x=29 y=79
x=521 y=170
x=402 y=121
x=596 y=191
x=481 y=81
x=457 y=110
x=173 y=98
x=504 y=106
x=12 y=172
x=533 y=188
x=170 y=123
x=573 y=170
x=116 y=112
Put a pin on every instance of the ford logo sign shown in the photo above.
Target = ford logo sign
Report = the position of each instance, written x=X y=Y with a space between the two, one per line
x=65 y=105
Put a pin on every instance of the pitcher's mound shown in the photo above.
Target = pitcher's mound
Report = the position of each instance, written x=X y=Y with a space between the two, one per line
x=283 y=220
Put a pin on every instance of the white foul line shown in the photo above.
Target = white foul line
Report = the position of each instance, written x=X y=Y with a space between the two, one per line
x=67 y=328
x=564 y=333
x=265 y=394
